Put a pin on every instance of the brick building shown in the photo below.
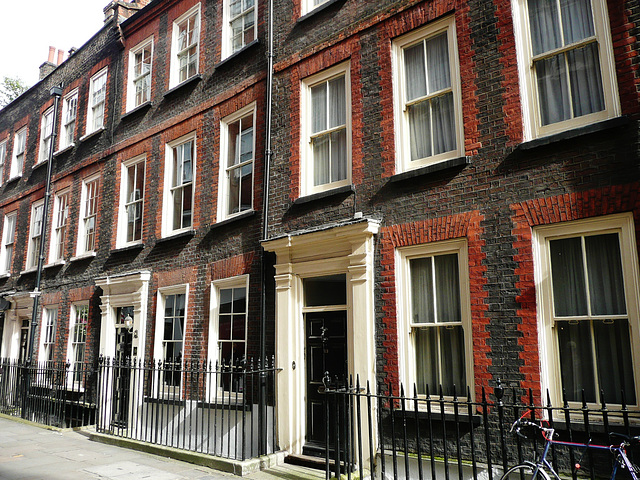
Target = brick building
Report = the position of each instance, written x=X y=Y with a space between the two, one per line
x=452 y=195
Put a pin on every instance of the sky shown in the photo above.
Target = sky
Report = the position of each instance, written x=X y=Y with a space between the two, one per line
x=24 y=45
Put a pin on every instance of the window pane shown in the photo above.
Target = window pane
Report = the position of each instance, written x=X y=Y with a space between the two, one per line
x=319 y=108
x=577 y=20
x=427 y=362
x=422 y=301
x=419 y=130
x=327 y=290
x=447 y=288
x=545 y=26
x=586 y=85
x=444 y=138
x=238 y=327
x=239 y=300
x=553 y=90
x=414 y=65
x=576 y=360
x=438 y=63
x=337 y=105
x=226 y=299
x=338 y=155
x=453 y=367
x=614 y=361
x=321 y=169
x=224 y=322
x=604 y=267
x=567 y=277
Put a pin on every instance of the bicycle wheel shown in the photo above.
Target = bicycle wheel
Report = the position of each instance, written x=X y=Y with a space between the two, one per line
x=524 y=472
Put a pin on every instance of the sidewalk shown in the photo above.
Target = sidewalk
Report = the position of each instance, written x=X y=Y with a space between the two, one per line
x=31 y=452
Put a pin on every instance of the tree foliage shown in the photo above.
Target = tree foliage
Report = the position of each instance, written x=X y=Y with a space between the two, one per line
x=10 y=89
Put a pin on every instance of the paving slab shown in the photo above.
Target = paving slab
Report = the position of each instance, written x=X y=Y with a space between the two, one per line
x=33 y=452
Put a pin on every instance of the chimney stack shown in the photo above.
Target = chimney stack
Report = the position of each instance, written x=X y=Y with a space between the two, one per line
x=52 y=62
x=122 y=9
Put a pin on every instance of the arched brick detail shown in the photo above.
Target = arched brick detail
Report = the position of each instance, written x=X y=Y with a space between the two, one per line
x=444 y=228
x=545 y=211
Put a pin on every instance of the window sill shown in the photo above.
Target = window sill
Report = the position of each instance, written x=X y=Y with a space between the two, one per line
x=91 y=134
x=165 y=401
x=140 y=108
x=64 y=150
x=176 y=236
x=13 y=179
x=5 y=275
x=328 y=193
x=574 y=133
x=190 y=81
x=436 y=167
x=57 y=263
x=316 y=10
x=237 y=217
x=234 y=55
x=38 y=165
x=447 y=416
x=224 y=404
x=127 y=248
x=29 y=270
x=83 y=256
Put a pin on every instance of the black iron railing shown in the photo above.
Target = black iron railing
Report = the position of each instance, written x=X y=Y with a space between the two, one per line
x=222 y=410
x=433 y=436
x=51 y=393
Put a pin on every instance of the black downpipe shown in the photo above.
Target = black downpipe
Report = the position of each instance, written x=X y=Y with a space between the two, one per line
x=263 y=421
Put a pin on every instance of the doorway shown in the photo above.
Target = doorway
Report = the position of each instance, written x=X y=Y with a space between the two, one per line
x=122 y=365
x=326 y=352
x=25 y=327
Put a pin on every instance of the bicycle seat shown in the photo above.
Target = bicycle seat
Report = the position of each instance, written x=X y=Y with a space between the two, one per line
x=526 y=429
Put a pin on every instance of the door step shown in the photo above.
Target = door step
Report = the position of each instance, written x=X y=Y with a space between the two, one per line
x=306 y=461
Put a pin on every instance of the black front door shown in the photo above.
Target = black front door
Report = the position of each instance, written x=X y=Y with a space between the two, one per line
x=121 y=375
x=326 y=354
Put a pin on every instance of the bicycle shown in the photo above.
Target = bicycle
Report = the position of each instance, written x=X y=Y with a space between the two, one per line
x=541 y=468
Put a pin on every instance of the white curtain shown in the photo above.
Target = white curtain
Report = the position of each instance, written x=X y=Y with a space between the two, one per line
x=435 y=297
x=431 y=121
x=569 y=84
x=329 y=111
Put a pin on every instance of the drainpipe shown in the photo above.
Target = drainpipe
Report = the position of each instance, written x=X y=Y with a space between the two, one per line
x=267 y=174
x=56 y=93
x=265 y=232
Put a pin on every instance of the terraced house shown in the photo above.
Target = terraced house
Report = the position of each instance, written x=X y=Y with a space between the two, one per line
x=437 y=193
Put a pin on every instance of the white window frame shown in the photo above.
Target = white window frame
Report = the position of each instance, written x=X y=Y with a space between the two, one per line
x=3 y=159
x=527 y=80
x=48 y=334
x=227 y=29
x=19 y=153
x=125 y=201
x=403 y=148
x=69 y=117
x=59 y=226
x=77 y=311
x=8 y=242
x=35 y=234
x=403 y=298
x=306 y=146
x=310 y=5
x=168 y=210
x=216 y=389
x=132 y=90
x=46 y=135
x=623 y=225
x=225 y=170
x=177 y=53
x=97 y=102
x=158 y=350
x=81 y=247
